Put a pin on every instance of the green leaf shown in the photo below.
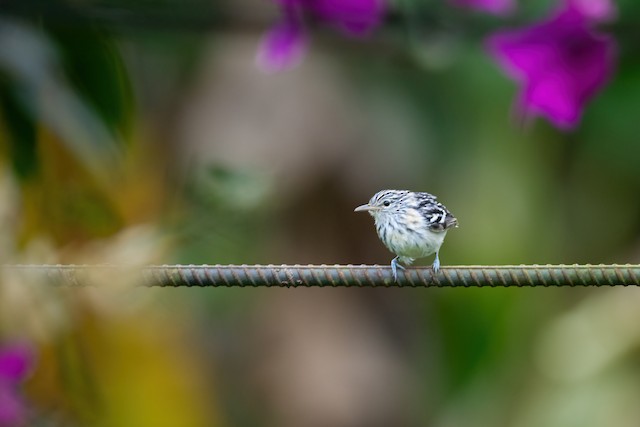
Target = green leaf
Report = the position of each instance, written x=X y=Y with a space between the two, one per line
x=21 y=138
x=95 y=69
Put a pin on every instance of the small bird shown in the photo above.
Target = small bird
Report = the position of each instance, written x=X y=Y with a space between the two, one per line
x=410 y=224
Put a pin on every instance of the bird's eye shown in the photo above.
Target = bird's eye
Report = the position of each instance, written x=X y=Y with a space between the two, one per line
x=386 y=203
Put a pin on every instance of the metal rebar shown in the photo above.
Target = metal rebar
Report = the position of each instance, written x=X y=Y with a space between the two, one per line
x=342 y=275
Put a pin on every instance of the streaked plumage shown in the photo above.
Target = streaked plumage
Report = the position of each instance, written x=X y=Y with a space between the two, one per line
x=410 y=224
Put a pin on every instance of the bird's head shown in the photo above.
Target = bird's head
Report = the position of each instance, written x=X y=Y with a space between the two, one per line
x=384 y=202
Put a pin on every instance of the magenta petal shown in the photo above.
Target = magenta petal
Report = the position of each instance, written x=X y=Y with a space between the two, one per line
x=288 y=4
x=561 y=64
x=518 y=58
x=355 y=17
x=596 y=10
x=552 y=98
x=285 y=44
x=496 y=7
x=15 y=362
x=282 y=47
x=12 y=410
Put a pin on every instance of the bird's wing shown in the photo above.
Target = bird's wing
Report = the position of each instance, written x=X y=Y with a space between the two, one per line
x=437 y=215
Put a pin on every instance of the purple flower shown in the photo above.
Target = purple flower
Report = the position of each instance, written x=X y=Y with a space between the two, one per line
x=496 y=7
x=15 y=362
x=561 y=63
x=285 y=44
x=354 y=17
x=597 y=10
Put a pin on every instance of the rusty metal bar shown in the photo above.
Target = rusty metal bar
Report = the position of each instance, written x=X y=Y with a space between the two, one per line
x=343 y=275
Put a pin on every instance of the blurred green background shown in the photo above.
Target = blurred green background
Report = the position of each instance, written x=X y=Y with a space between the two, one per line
x=143 y=133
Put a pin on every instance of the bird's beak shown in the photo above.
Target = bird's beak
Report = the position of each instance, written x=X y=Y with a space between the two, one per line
x=364 y=208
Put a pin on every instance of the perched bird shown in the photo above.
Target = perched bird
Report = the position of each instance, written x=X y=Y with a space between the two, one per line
x=410 y=224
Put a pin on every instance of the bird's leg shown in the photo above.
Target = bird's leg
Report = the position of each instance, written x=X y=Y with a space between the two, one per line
x=436 y=264
x=394 y=268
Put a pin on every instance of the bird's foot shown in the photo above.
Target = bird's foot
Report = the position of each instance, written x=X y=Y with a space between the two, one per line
x=394 y=268
x=436 y=264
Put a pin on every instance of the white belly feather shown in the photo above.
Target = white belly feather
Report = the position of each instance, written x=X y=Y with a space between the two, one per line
x=410 y=238
x=415 y=245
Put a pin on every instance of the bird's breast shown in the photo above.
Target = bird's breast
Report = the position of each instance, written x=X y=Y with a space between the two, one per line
x=408 y=236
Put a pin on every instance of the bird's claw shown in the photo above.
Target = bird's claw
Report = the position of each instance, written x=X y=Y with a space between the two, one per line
x=394 y=268
x=436 y=264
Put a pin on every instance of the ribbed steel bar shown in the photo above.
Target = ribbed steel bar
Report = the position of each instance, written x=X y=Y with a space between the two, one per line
x=342 y=275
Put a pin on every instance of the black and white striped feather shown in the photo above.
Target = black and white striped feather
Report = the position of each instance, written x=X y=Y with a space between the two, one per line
x=436 y=215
